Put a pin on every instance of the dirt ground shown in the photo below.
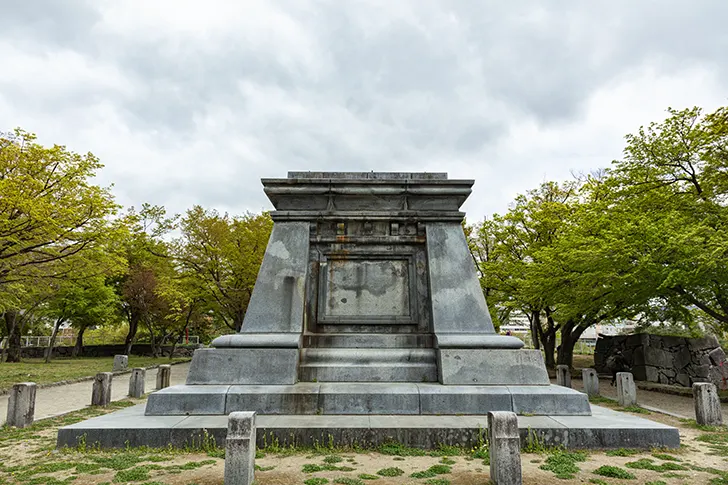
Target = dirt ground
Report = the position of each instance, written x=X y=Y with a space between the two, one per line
x=29 y=457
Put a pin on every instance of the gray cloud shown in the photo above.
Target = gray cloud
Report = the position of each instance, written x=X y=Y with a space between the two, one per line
x=189 y=106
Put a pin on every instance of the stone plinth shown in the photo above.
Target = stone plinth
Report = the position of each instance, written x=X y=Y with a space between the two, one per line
x=21 y=405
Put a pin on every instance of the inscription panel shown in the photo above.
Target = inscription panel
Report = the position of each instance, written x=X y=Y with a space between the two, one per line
x=367 y=289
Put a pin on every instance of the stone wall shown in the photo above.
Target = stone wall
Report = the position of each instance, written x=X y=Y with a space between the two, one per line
x=108 y=351
x=667 y=360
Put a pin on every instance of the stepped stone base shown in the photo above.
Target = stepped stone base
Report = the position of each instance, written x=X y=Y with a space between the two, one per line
x=605 y=428
x=367 y=398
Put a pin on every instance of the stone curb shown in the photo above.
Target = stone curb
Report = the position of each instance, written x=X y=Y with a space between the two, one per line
x=90 y=378
x=654 y=387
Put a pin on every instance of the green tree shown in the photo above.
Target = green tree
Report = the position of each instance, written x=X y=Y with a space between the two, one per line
x=49 y=212
x=224 y=255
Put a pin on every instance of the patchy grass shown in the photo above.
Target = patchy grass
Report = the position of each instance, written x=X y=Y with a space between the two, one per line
x=614 y=472
x=331 y=459
x=563 y=464
x=623 y=452
x=634 y=409
x=348 y=481
x=665 y=457
x=65 y=369
x=367 y=476
x=316 y=481
x=314 y=467
x=649 y=464
x=390 y=472
x=437 y=481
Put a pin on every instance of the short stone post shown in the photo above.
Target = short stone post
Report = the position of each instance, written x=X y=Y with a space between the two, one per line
x=707 y=404
x=101 y=394
x=240 y=449
x=504 y=444
x=136 y=382
x=591 y=382
x=121 y=363
x=563 y=376
x=164 y=373
x=626 y=390
x=21 y=405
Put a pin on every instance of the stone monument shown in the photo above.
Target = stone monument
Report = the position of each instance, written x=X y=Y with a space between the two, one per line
x=367 y=323
x=367 y=279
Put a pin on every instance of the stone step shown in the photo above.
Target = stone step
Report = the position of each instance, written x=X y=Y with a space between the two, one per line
x=311 y=398
x=368 y=340
x=368 y=372
x=365 y=356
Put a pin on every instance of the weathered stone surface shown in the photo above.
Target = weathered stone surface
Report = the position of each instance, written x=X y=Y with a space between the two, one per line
x=136 y=382
x=493 y=367
x=21 y=405
x=303 y=398
x=164 y=376
x=563 y=375
x=240 y=449
x=121 y=363
x=389 y=398
x=590 y=380
x=504 y=444
x=277 y=302
x=176 y=400
x=549 y=400
x=605 y=428
x=665 y=359
x=707 y=405
x=244 y=366
x=101 y=391
x=626 y=389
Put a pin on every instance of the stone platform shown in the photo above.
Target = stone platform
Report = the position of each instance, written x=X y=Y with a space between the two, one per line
x=605 y=428
x=371 y=398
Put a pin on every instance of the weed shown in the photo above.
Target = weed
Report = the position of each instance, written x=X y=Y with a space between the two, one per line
x=563 y=464
x=534 y=443
x=437 y=481
x=390 y=472
x=601 y=400
x=614 y=472
x=398 y=458
x=446 y=460
x=634 y=409
x=597 y=481
x=366 y=476
x=333 y=459
x=423 y=474
x=446 y=450
x=399 y=449
x=314 y=467
x=136 y=474
x=264 y=468
x=665 y=457
x=348 y=481
x=656 y=482
x=623 y=452
x=87 y=467
x=316 y=481
x=674 y=475
x=648 y=464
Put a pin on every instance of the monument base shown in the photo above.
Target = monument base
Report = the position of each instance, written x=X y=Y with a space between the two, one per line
x=605 y=428
x=226 y=366
x=356 y=398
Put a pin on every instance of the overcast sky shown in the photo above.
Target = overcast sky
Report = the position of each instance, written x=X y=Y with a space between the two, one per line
x=192 y=102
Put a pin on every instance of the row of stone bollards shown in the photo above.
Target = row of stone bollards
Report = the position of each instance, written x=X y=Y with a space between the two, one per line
x=705 y=394
x=21 y=403
x=504 y=446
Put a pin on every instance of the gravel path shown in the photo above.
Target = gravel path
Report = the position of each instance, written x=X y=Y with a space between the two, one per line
x=52 y=401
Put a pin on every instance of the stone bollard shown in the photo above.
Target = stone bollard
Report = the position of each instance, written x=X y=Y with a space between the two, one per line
x=591 y=382
x=121 y=363
x=626 y=390
x=21 y=405
x=101 y=394
x=707 y=404
x=164 y=373
x=240 y=449
x=136 y=382
x=563 y=376
x=504 y=444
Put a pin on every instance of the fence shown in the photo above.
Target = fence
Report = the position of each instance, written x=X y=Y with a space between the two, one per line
x=69 y=341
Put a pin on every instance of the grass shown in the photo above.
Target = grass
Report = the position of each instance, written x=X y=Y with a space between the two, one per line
x=367 y=476
x=634 y=409
x=348 y=481
x=64 y=369
x=623 y=452
x=390 y=472
x=649 y=464
x=316 y=481
x=563 y=464
x=314 y=467
x=614 y=472
x=716 y=441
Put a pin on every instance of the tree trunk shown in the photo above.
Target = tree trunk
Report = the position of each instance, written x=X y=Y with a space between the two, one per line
x=14 y=345
x=570 y=335
x=78 y=348
x=535 y=320
x=133 y=327
x=152 y=340
x=52 y=342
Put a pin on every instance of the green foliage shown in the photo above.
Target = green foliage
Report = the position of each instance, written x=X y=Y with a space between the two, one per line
x=623 y=452
x=665 y=457
x=390 y=472
x=563 y=463
x=348 y=481
x=447 y=461
x=437 y=481
x=367 y=476
x=649 y=464
x=597 y=481
x=614 y=472
x=314 y=467
x=399 y=449
x=316 y=481
x=333 y=459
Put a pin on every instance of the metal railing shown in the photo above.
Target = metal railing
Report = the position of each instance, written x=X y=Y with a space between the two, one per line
x=68 y=341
